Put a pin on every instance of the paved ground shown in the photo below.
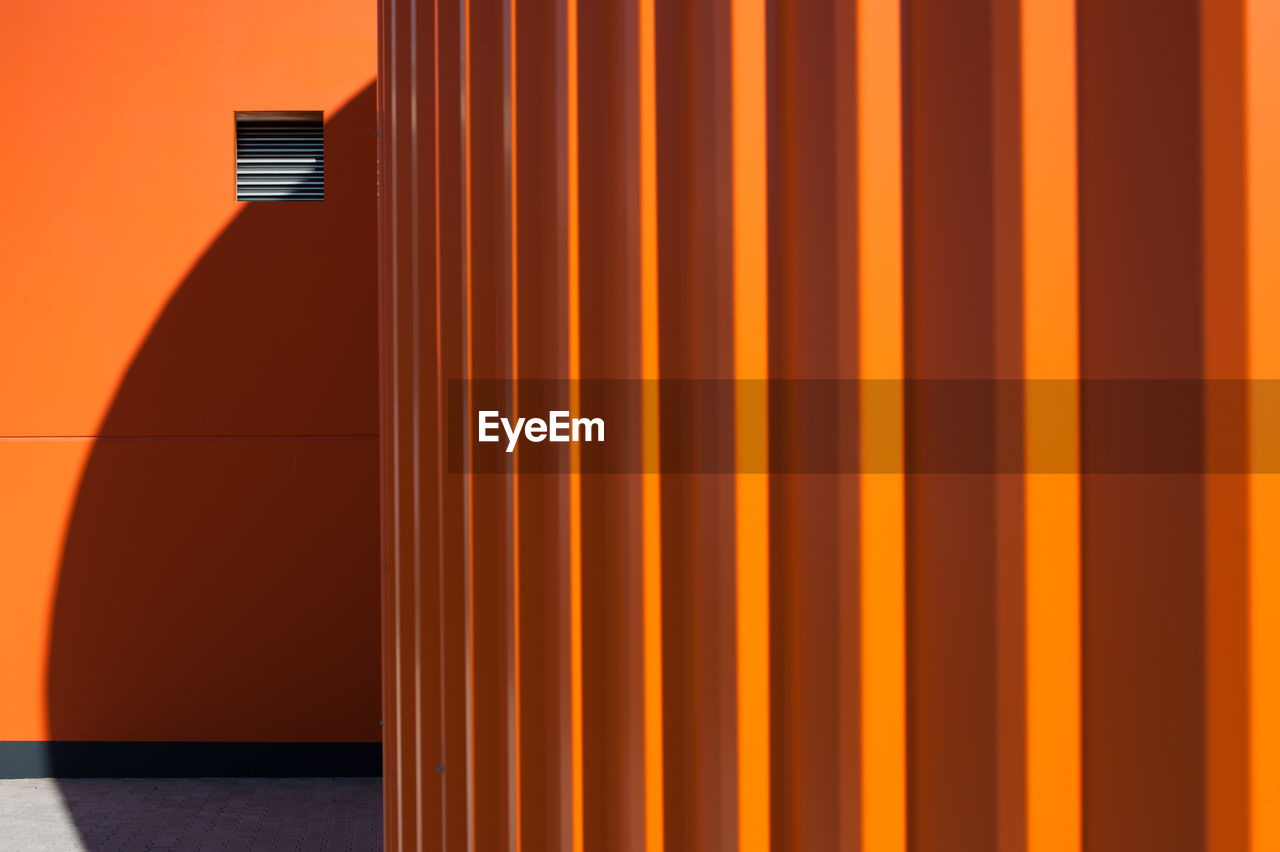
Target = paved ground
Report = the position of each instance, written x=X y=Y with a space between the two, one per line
x=235 y=814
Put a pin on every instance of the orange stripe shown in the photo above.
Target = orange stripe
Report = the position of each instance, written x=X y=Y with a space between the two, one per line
x=575 y=478
x=441 y=422
x=469 y=497
x=1051 y=295
x=1262 y=141
x=751 y=362
x=400 y=651
x=514 y=721
x=880 y=340
x=1226 y=495
x=651 y=484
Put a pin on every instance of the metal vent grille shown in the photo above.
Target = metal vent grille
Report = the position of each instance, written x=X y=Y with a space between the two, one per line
x=279 y=156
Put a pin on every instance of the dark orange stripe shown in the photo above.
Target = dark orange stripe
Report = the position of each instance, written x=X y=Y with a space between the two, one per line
x=1140 y=209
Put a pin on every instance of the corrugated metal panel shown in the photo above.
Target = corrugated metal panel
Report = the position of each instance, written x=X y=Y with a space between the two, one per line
x=1045 y=653
x=280 y=156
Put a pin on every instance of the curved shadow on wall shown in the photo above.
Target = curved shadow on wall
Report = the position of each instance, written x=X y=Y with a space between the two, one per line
x=219 y=580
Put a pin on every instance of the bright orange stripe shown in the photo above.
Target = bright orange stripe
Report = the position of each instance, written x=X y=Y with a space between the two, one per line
x=1049 y=188
x=575 y=478
x=1262 y=141
x=651 y=484
x=880 y=341
x=751 y=362
x=1051 y=351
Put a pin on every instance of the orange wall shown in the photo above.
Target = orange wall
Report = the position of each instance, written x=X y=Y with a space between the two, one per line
x=188 y=420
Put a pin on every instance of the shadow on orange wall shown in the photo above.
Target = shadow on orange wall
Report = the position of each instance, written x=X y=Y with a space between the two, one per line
x=219 y=581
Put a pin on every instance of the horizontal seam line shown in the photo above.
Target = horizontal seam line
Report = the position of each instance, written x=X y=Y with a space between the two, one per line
x=320 y=437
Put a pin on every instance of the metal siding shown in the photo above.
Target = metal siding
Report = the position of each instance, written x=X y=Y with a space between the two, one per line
x=849 y=189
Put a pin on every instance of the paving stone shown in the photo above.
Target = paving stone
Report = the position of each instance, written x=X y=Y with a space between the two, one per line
x=150 y=815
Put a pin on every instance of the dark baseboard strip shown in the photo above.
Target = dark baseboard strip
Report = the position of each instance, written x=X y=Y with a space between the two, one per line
x=65 y=759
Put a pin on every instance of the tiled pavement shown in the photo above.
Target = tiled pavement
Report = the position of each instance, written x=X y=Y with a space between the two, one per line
x=235 y=814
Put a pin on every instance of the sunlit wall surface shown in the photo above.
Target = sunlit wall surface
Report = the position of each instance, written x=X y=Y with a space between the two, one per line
x=1064 y=649
x=188 y=427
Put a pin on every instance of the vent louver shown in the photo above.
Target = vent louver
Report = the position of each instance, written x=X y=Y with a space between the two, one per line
x=279 y=156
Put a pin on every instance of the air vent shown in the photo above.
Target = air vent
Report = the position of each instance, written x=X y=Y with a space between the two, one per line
x=279 y=156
